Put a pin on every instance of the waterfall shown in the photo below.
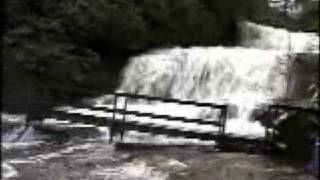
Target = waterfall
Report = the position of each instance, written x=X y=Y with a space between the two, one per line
x=243 y=77
x=240 y=76
x=268 y=37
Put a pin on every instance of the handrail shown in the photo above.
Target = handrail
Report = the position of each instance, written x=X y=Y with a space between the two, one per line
x=221 y=124
x=124 y=111
x=154 y=116
x=170 y=100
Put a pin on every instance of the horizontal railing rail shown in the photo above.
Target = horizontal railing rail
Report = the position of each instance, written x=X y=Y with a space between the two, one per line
x=169 y=100
x=154 y=116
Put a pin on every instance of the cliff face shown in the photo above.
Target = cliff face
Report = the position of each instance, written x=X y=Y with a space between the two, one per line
x=304 y=76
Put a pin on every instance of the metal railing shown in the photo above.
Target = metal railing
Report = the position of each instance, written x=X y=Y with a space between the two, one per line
x=124 y=111
x=273 y=109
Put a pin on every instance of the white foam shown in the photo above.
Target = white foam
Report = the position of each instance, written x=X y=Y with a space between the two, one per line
x=8 y=171
x=135 y=170
x=139 y=137
x=13 y=118
x=47 y=156
x=245 y=128
x=19 y=145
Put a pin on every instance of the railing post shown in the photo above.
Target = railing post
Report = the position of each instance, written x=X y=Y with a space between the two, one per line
x=271 y=124
x=28 y=105
x=221 y=123
x=123 y=119
x=224 y=119
x=269 y=119
x=111 y=129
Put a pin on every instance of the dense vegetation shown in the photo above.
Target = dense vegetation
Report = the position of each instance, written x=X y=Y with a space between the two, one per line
x=307 y=20
x=125 y=26
x=84 y=43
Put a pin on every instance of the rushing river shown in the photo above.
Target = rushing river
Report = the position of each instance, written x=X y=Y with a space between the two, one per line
x=243 y=77
x=86 y=154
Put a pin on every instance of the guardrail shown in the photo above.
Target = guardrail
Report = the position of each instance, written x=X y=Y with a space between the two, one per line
x=273 y=109
x=221 y=123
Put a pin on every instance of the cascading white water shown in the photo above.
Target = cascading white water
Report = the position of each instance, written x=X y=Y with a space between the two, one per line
x=238 y=76
x=268 y=37
x=244 y=76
